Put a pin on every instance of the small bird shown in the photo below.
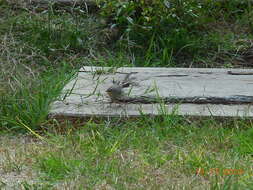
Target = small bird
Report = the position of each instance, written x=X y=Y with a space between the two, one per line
x=116 y=90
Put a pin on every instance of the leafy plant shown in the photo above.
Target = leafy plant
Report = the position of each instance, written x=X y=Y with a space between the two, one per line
x=167 y=28
x=143 y=19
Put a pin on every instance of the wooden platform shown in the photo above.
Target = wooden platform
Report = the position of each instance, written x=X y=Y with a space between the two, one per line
x=85 y=96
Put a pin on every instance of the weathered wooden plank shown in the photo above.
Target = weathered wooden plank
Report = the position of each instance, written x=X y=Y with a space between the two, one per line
x=89 y=98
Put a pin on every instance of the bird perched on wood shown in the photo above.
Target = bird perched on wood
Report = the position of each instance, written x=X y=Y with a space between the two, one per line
x=116 y=90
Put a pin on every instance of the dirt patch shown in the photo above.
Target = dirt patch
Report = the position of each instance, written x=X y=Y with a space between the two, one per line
x=16 y=161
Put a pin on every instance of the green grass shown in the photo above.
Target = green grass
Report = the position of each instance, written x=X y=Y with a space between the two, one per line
x=40 y=52
x=145 y=153
x=29 y=105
